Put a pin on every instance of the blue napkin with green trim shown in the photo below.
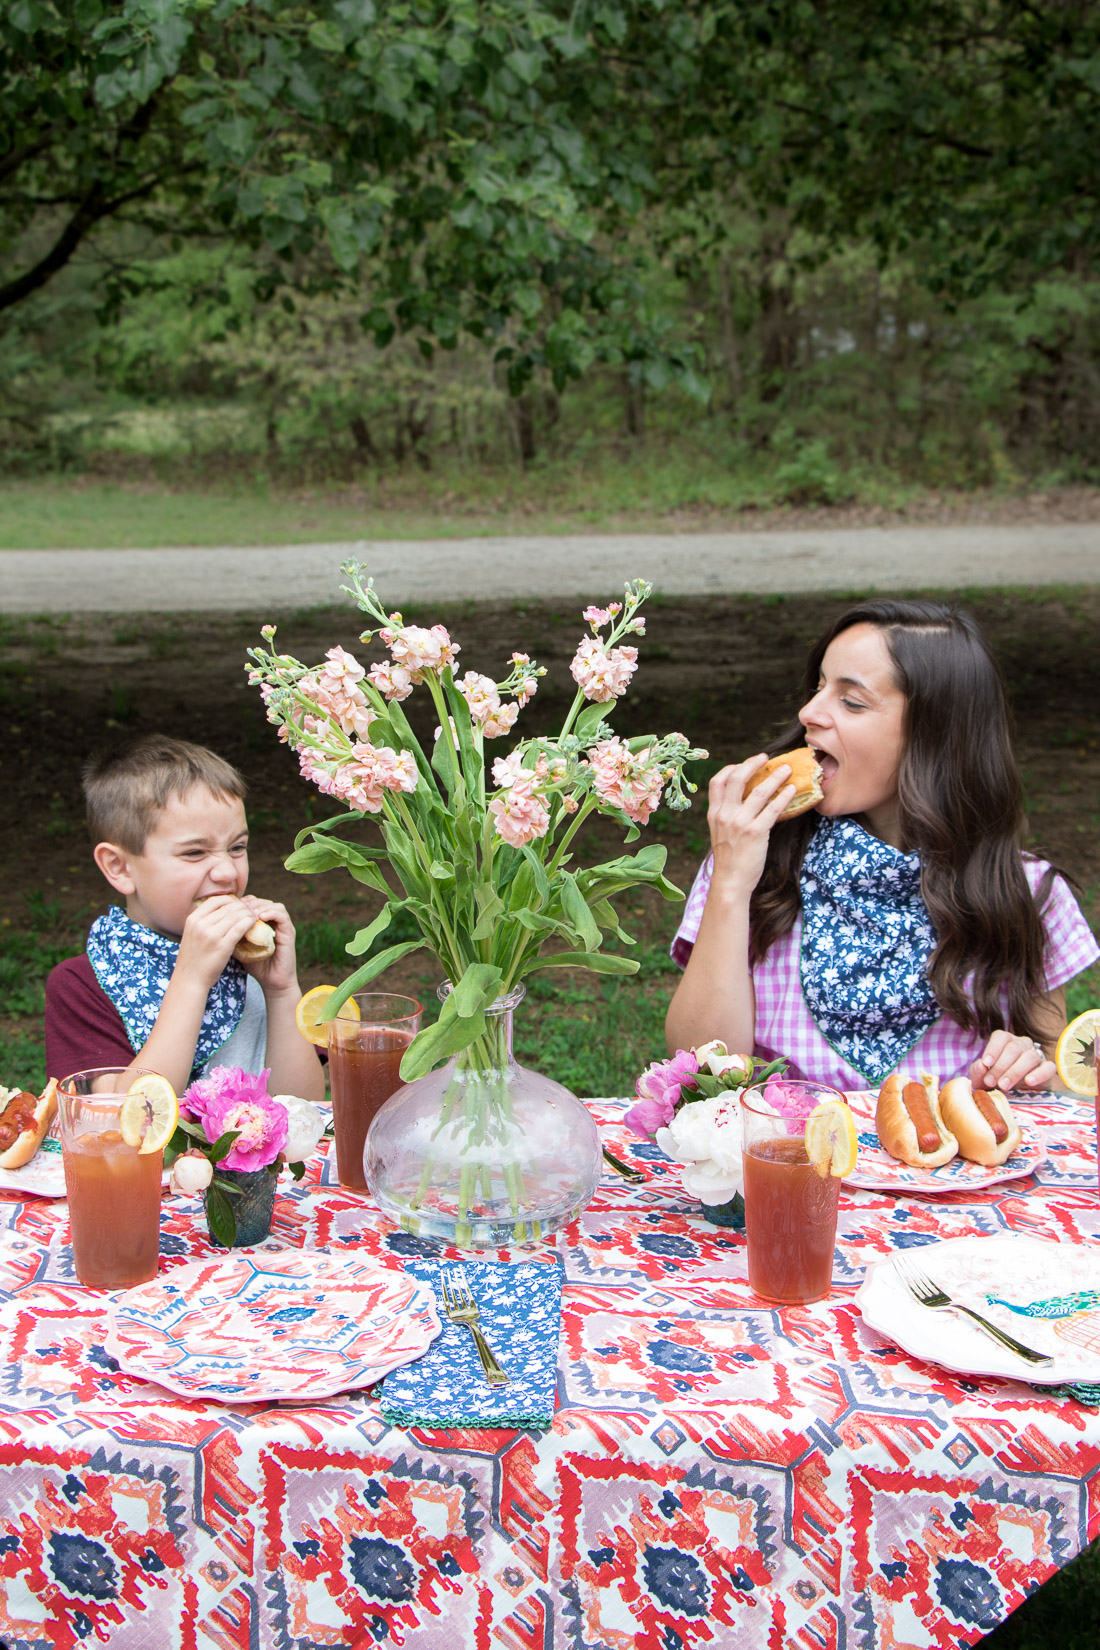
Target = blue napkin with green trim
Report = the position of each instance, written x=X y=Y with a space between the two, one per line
x=520 y=1310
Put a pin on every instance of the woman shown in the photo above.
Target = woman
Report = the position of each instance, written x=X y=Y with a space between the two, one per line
x=899 y=923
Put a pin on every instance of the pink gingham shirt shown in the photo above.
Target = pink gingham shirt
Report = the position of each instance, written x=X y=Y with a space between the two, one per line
x=785 y=1026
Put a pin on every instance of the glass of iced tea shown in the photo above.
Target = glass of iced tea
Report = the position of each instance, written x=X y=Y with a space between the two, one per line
x=113 y=1189
x=364 y=1063
x=790 y=1206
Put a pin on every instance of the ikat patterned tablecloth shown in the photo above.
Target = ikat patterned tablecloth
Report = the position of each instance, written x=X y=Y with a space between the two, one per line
x=718 y=1471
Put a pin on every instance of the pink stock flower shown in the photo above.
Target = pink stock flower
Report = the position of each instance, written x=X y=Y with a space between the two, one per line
x=231 y=1099
x=597 y=615
x=507 y=769
x=502 y=721
x=392 y=681
x=342 y=668
x=602 y=674
x=520 y=815
x=626 y=779
x=337 y=697
x=362 y=783
x=418 y=650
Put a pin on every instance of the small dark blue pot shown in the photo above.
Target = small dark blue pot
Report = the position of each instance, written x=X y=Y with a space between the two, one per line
x=731 y=1213
x=253 y=1200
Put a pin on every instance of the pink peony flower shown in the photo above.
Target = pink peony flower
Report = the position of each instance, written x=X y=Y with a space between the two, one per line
x=786 y=1098
x=602 y=674
x=647 y=1116
x=233 y=1099
x=520 y=814
x=658 y=1091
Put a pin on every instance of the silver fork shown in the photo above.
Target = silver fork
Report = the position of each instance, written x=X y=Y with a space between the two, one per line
x=921 y=1287
x=461 y=1307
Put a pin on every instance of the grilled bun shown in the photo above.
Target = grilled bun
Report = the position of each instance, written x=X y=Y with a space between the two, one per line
x=981 y=1120
x=257 y=944
x=910 y=1123
x=805 y=777
x=24 y=1119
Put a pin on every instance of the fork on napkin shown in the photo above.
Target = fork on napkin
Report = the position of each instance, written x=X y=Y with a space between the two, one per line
x=521 y=1315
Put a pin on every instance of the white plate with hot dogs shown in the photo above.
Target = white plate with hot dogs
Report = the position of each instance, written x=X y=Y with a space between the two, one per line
x=877 y=1171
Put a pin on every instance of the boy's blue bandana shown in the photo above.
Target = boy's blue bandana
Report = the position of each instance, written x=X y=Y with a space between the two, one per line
x=134 y=964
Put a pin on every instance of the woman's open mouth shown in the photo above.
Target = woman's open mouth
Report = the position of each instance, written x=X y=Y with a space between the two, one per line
x=828 y=765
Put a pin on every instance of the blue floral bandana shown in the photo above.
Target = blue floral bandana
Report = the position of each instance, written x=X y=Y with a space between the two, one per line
x=134 y=964
x=866 y=942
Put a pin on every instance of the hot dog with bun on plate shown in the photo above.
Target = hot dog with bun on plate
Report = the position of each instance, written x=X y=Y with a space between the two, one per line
x=24 y=1119
x=910 y=1123
x=981 y=1120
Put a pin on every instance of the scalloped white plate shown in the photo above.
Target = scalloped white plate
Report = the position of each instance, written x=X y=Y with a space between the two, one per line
x=877 y=1171
x=1046 y=1294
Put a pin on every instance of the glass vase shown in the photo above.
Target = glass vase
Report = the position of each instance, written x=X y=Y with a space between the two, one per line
x=483 y=1153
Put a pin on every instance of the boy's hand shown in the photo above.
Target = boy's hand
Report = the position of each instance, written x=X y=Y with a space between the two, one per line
x=211 y=931
x=279 y=972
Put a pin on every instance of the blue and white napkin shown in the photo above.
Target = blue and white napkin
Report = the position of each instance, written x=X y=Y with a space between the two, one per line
x=520 y=1310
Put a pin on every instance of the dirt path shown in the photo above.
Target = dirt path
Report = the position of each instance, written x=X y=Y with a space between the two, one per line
x=551 y=567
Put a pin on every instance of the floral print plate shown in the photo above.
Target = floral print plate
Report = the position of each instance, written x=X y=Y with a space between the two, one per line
x=271 y=1324
x=877 y=1171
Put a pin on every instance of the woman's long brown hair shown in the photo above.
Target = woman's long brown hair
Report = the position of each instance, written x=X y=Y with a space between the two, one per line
x=960 y=806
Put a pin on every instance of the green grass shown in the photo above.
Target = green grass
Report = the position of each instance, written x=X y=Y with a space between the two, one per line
x=453 y=500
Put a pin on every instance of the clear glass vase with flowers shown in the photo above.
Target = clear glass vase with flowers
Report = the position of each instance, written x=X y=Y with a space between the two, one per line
x=232 y=1139
x=480 y=855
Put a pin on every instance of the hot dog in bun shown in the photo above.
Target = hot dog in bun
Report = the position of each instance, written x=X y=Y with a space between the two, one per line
x=910 y=1123
x=254 y=946
x=805 y=777
x=981 y=1120
x=24 y=1119
x=257 y=944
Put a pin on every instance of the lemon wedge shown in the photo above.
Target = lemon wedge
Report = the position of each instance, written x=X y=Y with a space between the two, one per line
x=148 y=1116
x=831 y=1143
x=310 y=1006
x=1075 y=1055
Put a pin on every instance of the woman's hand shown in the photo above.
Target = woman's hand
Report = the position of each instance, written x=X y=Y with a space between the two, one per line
x=1009 y=1060
x=740 y=825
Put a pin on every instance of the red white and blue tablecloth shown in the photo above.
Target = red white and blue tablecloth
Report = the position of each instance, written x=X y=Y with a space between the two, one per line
x=718 y=1472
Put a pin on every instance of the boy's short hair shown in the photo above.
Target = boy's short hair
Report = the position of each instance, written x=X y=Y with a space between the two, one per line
x=125 y=792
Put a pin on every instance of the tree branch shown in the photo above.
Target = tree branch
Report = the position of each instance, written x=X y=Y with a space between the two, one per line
x=94 y=206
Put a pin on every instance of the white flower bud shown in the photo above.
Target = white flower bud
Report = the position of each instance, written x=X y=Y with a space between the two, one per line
x=191 y=1173
x=305 y=1126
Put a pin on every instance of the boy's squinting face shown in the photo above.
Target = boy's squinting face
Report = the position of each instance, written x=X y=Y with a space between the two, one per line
x=198 y=846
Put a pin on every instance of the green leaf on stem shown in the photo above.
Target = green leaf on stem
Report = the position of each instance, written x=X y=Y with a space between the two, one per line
x=599 y=962
x=366 y=937
x=363 y=976
x=220 y=1217
x=477 y=988
x=223 y=1145
x=580 y=917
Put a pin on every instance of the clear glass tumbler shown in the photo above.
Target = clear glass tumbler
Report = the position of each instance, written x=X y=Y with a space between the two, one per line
x=790 y=1209
x=365 y=1056
x=113 y=1189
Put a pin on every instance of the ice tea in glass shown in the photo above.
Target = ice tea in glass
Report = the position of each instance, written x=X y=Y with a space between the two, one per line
x=113 y=1189
x=365 y=1057
x=790 y=1209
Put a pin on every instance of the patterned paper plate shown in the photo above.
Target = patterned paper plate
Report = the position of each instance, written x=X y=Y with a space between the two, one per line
x=1046 y=1294
x=290 y=1323
x=877 y=1171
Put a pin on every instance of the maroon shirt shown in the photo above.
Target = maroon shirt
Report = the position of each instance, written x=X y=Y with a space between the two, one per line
x=84 y=1029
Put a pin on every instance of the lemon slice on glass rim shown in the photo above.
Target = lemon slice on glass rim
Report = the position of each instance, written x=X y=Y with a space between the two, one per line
x=1075 y=1055
x=310 y=1006
x=149 y=1114
x=831 y=1143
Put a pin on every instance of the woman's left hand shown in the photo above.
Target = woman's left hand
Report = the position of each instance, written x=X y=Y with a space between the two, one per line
x=1009 y=1060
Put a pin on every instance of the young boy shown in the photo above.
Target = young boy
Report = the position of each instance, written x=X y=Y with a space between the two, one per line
x=158 y=988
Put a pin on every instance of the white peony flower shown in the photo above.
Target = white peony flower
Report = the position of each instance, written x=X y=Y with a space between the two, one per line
x=191 y=1173
x=305 y=1126
x=705 y=1136
x=718 y=1059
